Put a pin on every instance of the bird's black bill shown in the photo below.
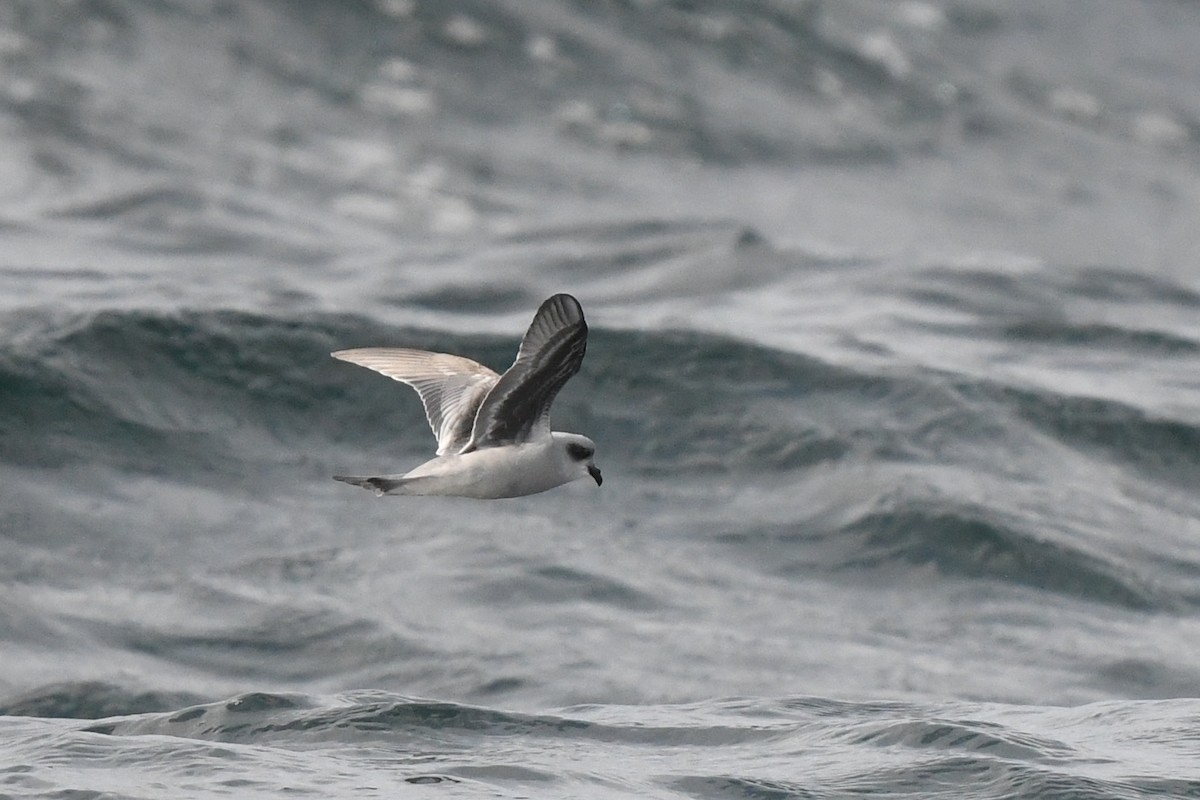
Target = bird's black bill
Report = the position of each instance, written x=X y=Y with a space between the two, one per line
x=594 y=471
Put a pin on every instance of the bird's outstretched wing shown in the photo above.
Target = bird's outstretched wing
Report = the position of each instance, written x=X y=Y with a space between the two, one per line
x=451 y=387
x=517 y=407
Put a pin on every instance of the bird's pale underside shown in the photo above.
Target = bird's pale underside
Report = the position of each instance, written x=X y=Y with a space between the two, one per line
x=493 y=431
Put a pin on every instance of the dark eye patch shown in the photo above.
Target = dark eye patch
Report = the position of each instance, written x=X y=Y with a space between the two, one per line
x=579 y=452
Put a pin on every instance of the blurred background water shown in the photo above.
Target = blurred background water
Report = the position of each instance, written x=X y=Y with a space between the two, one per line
x=894 y=366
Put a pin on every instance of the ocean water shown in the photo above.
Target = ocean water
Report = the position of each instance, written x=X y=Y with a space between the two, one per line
x=894 y=371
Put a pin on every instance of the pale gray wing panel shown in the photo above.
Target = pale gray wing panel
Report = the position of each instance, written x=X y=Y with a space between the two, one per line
x=450 y=387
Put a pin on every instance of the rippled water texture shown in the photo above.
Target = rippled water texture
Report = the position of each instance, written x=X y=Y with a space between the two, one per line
x=895 y=337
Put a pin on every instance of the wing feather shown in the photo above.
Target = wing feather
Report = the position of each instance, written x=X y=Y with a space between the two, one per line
x=450 y=387
x=517 y=406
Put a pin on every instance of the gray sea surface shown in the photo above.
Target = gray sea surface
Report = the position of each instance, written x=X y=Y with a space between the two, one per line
x=893 y=371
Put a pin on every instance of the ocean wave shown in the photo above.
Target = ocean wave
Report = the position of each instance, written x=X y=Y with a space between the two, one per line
x=92 y=700
x=984 y=543
x=140 y=384
x=1153 y=445
x=242 y=402
x=720 y=749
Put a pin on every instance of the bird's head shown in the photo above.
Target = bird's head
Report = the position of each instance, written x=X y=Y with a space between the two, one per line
x=581 y=453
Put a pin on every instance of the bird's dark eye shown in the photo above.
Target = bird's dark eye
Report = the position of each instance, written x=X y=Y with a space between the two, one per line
x=579 y=452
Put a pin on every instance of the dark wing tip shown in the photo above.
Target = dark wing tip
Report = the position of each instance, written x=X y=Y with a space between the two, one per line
x=564 y=306
x=551 y=352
